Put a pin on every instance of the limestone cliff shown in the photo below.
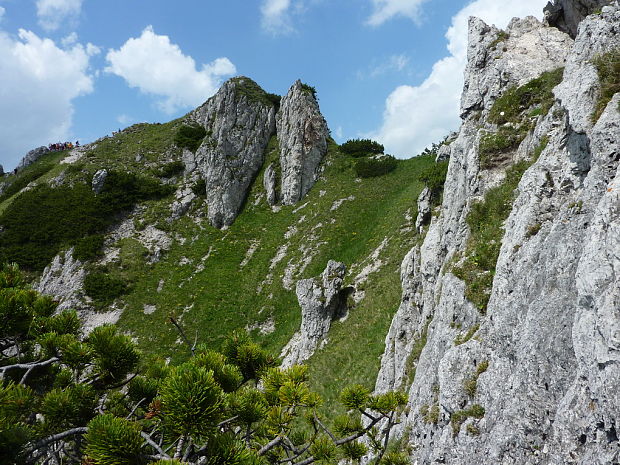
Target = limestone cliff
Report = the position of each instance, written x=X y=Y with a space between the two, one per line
x=240 y=120
x=531 y=375
x=302 y=134
x=239 y=124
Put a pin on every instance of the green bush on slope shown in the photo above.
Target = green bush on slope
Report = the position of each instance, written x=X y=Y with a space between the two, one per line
x=373 y=167
x=190 y=137
x=40 y=222
x=361 y=147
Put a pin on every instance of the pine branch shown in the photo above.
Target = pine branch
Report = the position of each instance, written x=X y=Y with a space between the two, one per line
x=28 y=366
x=41 y=443
x=270 y=445
x=176 y=324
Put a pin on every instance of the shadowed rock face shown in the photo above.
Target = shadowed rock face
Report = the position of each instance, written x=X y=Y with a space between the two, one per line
x=302 y=134
x=567 y=14
x=551 y=333
x=238 y=127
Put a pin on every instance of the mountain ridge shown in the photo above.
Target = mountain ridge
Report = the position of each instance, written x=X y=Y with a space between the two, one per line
x=501 y=321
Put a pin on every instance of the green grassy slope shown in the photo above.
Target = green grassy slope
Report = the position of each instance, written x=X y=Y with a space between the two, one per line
x=209 y=281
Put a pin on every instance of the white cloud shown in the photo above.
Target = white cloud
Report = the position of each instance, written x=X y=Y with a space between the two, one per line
x=158 y=67
x=38 y=82
x=395 y=63
x=416 y=116
x=275 y=16
x=2 y=11
x=384 y=10
x=70 y=40
x=54 y=13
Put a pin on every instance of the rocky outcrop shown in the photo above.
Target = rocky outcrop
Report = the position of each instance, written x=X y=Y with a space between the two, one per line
x=302 y=135
x=31 y=157
x=424 y=208
x=270 y=184
x=321 y=300
x=239 y=121
x=184 y=196
x=64 y=279
x=541 y=368
x=567 y=14
x=99 y=180
x=497 y=59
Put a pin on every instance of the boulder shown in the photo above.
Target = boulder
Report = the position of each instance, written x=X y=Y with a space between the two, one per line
x=425 y=207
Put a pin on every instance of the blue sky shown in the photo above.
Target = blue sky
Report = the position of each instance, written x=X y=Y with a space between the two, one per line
x=387 y=69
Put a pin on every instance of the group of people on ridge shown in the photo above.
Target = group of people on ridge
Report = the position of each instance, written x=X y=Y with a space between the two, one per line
x=60 y=146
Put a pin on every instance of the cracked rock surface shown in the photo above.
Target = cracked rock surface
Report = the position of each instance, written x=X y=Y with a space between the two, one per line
x=551 y=332
x=302 y=134
x=321 y=300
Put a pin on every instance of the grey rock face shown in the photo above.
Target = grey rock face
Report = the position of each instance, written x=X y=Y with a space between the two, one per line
x=269 y=183
x=551 y=334
x=580 y=89
x=321 y=300
x=31 y=157
x=424 y=208
x=238 y=126
x=184 y=197
x=443 y=153
x=567 y=14
x=63 y=279
x=99 y=181
x=302 y=134
x=527 y=50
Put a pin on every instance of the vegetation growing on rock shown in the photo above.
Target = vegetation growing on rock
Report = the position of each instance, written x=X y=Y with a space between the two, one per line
x=608 y=68
x=513 y=113
x=255 y=93
x=486 y=223
x=190 y=137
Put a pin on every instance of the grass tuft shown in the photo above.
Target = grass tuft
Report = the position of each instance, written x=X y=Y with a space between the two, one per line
x=608 y=67
x=486 y=223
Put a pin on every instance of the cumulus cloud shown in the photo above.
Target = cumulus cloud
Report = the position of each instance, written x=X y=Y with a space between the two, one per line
x=383 y=10
x=38 y=82
x=275 y=16
x=54 y=13
x=416 y=116
x=158 y=67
